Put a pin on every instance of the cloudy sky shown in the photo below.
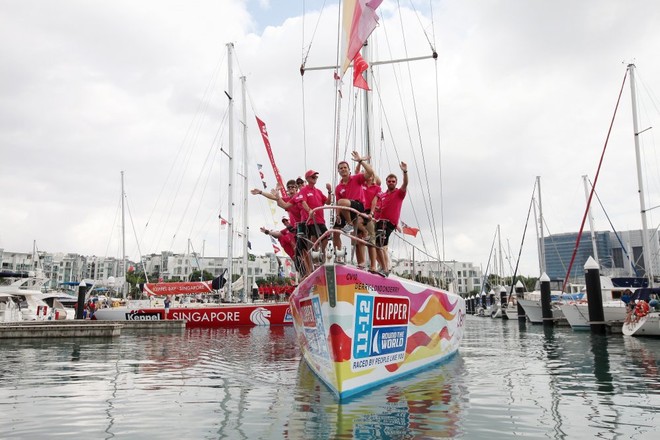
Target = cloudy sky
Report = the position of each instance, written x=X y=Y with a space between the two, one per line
x=520 y=89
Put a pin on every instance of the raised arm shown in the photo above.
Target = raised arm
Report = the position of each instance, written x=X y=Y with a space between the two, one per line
x=328 y=201
x=268 y=195
x=404 y=168
x=275 y=234
x=368 y=170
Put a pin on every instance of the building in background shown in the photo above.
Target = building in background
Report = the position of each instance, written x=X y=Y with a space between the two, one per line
x=618 y=254
x=465 y=277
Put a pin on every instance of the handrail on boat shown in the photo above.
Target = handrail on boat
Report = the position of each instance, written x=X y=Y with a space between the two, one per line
x=333 y=230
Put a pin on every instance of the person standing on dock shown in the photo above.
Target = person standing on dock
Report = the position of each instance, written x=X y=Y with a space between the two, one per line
x=167 y=303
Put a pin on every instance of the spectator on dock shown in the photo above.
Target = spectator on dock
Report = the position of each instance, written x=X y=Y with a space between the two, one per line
x=167 y=302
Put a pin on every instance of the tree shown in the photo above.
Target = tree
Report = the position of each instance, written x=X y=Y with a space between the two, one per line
x=205 y=276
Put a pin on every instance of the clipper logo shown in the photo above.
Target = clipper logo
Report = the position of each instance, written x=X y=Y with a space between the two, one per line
x=142 y=316
x=381 y=330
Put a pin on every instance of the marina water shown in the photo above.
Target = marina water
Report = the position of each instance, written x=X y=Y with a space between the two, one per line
x=509 y=379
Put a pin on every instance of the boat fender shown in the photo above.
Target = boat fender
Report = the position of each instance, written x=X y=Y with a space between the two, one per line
x=654 y=303
x=641 y=309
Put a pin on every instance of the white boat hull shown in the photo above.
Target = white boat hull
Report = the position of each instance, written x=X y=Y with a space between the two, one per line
x=648 y=325
x=534 y=312
x=577 y=314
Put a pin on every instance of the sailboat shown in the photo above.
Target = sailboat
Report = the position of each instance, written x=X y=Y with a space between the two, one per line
x=163 y=303
x=357 y=329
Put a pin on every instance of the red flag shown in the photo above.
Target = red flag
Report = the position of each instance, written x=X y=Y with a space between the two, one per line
x=264 y=136
x=359 y=67
x=408 y=230
x=274 y=242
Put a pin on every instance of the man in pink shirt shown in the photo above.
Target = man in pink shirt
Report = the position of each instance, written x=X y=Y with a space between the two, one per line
x=388 y=211
x=287 y=239
x=291 y=203
x=349 y=193
x=313 y=197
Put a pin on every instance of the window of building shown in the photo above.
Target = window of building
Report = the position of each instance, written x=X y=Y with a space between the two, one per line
x=617 y=257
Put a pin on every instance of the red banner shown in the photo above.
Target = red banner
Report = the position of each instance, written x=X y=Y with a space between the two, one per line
x=264 y=135
x=192 y=288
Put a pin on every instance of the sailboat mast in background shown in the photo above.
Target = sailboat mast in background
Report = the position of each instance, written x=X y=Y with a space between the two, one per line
x=230 y=174
x=246 y=284
x=646 y=247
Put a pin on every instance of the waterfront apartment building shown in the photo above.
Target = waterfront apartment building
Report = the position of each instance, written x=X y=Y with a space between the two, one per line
x=171 y=266
x=465 y=277
x=69 y=268
x=619 y=254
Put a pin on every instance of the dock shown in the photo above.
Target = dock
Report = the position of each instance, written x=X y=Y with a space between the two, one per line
x=85 y=328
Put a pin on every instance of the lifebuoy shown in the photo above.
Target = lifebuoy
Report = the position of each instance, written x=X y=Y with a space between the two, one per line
x=641 y=309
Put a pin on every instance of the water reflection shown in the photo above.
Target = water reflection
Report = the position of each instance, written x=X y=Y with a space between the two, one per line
x=601 y=363
x=428 y=405
x=507 y=380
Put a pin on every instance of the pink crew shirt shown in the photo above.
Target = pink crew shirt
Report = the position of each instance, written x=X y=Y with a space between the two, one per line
x=295 y=211
x=314 y=198
x=389 y=204
x=288 y=242
x=370 y=193
x=352 y=190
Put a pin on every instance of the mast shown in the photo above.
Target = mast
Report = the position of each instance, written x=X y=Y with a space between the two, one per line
x=646 y=247
x=245 y=192
x=591 y=221
x=230 y=199
x=499 y=255
x=123 y=240
x=368 y=107
x=542 y=239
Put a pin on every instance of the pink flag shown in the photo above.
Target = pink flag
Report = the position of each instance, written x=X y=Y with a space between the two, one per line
x=359 y=67
x=359 y=19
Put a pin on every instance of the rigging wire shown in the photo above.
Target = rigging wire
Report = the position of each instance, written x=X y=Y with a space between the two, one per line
x=421 y=26
x=193 y=127
x=522 y=241
x=137 y=241
x=434 y=234
x=490 y=256
x=114 y=223
x=402 y=105
x=600 y=162
x=616 y=234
